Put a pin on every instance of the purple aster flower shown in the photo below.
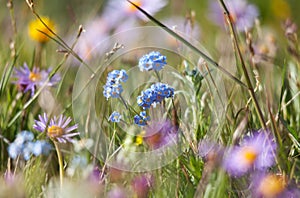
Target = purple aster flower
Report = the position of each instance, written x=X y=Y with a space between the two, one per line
x=141 y=185
x=242 y=14
x=256 y=152
x=141 y=119
x=115 y=117
x=211 y=151
x=119 y=11
x=160 y=133
x=56 y=128
x=272 y=185
x=29 y=80
x=152 y=61
x=95 y=31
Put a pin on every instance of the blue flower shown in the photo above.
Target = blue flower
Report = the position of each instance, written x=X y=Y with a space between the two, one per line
x=152 y=61
x=113 y=88
x=115 y=117
x=141 y=119
x=146 y=99
x=41 y=147
x=117 y=76
x=155 y=94
x=24 y=146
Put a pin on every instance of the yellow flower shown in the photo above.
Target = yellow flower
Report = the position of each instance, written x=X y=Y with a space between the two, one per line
x=139 y=138
x=36 y=27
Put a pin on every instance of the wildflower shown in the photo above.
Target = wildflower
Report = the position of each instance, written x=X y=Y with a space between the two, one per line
x=24 y=146
x=41 y=147
x=95 y=31
x=113 y=91
x=141 y=185
x=117 y=192
x=256 y=152
x=152 y=61
x=155 y=94
x=271 y=185
x=118 y=10
x=38 y=31
x=242 y=14
x=212 y=152
x=56 y=128
x=115 y=117
x=77 y=164
x=96 y=175
x=141 y=119
x=160 y=133
x=117 y=76
x=113 y=88
x=29 y=80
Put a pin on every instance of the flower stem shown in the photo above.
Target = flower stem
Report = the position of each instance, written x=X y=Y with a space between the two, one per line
x=157 y=74
x=60 y=162
x=248 y=81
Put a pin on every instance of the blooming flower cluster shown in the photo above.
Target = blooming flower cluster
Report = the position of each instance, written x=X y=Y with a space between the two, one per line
x=24 y=146
x=255 y=153
x=29 y=80
x=141 y=119
x=155 y=94
x=56 y=128
x=113 y=87
x=242 y=14
x=152 y=61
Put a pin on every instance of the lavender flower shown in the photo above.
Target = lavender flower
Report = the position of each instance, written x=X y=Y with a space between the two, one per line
x=272 y=185
x=210 y=151
x=117 y=192
x=242 y=14
x=118 y=10
x=160 y=133
x=56 y=127
x=115 y=117
x=152 y=61
x=29 y=80
x=141 y=185
x=256 y=152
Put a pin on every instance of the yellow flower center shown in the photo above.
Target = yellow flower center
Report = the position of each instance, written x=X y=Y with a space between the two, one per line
x=272 y=185
x=132 y=8
x=34 y=76
x=36 y=28
x=55 y=131
x=249 y=155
